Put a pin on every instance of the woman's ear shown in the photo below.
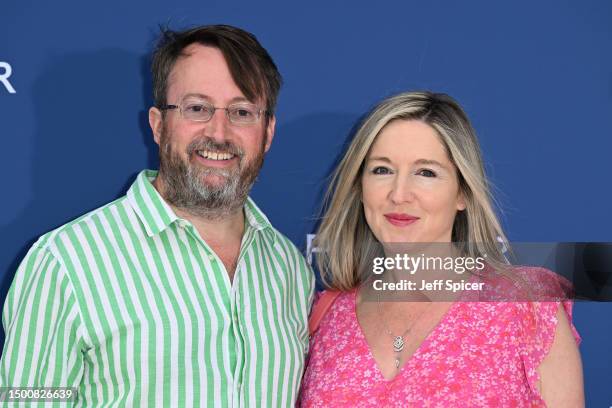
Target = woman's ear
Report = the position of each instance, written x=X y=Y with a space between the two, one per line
x=461 y=202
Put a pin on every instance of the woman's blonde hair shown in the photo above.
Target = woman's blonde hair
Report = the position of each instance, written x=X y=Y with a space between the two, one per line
x=345 y=241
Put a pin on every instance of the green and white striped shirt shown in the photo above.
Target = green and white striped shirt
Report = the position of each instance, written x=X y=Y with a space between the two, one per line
x=130 y=306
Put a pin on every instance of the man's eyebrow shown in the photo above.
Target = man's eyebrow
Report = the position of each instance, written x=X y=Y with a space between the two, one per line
x=236 y=99
x=195 y=95
x=239 y=99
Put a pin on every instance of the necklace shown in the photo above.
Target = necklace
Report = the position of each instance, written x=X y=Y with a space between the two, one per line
x=398 y=341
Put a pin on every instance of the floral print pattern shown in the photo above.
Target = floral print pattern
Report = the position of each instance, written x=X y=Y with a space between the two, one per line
x=481 y=354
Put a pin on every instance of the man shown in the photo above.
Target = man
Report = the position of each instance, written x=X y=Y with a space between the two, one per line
x=180 y=293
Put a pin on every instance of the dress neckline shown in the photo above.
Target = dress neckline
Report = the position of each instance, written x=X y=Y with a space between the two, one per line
x=415 y=356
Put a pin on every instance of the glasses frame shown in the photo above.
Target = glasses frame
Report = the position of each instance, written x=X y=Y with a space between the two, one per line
x=259 y=112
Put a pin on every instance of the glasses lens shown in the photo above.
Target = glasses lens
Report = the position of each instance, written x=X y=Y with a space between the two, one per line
x=197 y=110
x=243 y=113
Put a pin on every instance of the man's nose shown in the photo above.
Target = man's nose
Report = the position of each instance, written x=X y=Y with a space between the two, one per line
x=218 y=126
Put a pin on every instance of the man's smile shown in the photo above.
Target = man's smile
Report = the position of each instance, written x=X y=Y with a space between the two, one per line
x=211 y=155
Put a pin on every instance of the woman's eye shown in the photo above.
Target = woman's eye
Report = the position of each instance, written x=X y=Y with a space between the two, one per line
x=380 y=170
x=426 y=173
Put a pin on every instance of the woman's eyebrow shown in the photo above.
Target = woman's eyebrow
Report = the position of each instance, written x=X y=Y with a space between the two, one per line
x=379 y=158
x=429 y=162
x=420 y=162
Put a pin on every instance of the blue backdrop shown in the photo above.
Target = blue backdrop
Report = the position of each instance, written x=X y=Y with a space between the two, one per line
x=535 y=78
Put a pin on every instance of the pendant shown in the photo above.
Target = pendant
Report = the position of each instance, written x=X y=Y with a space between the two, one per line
x=398 y=344
x=397 y=363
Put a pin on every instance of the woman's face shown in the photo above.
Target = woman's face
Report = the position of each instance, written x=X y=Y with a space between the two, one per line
x=410 y=190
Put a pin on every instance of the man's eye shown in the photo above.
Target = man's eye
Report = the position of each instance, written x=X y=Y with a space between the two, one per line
x=380 y=170
x=242 y=112
x=427 y=173
x=196 y=108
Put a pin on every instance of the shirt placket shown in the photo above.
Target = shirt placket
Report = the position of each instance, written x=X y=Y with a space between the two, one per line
x=234 y=354
x=238 y=290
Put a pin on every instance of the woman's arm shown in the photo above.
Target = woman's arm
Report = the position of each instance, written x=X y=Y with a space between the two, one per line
x=561 y=383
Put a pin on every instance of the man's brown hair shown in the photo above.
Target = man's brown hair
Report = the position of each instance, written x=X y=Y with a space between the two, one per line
x=249 y=63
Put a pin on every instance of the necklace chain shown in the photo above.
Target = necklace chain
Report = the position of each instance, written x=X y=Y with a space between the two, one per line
x=398 y=341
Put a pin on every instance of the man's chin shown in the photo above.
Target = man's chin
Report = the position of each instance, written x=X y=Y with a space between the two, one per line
x=213 y=181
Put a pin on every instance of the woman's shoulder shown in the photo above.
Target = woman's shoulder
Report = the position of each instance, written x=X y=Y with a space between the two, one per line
x=329 y=305
x=543 y=279
x=532 y=297
x=524 y=284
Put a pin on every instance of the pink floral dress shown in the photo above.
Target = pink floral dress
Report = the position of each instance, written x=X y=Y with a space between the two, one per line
x=481 y=354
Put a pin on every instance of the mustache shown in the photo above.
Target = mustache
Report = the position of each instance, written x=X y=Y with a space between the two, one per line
x=206 y=143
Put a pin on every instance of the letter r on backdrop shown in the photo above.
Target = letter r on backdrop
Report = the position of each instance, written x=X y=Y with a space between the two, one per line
x=4 y=76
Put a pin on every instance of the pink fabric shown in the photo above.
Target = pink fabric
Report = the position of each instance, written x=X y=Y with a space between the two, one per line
x=481 y=354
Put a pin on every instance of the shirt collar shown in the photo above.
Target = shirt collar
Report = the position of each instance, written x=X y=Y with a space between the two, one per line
x=255 y=217
x=156 y=215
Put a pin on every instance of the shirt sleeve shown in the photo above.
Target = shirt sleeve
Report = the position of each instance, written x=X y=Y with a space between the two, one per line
x=540 y=326
x=309 y=292
x=44 y=344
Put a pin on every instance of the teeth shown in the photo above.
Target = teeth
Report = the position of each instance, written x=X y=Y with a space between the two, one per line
x=207 y=154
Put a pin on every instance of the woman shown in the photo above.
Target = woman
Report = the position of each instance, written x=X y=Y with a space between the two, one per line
x=413 y=174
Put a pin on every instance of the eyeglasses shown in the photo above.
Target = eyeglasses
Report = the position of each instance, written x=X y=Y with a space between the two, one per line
x=199 y=110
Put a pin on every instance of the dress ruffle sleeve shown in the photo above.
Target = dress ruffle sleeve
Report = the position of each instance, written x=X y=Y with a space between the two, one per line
x=539 y=320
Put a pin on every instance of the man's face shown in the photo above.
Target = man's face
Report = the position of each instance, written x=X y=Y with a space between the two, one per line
x=207 y=167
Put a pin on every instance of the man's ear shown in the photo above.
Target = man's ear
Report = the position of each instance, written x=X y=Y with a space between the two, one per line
x=156 y=123
x=269 y=135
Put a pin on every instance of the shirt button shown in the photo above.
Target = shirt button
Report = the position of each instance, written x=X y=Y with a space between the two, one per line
x=211 y=257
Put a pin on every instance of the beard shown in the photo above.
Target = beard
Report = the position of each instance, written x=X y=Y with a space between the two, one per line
x=185 y=183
